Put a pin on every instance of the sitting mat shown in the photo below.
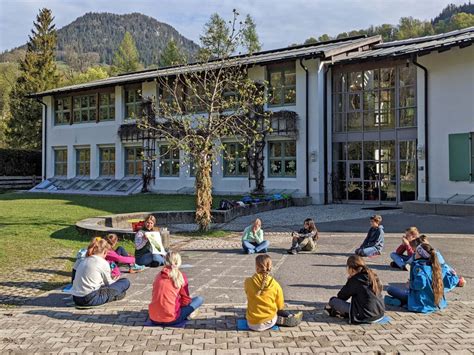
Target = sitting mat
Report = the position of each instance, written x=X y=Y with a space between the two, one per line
x=149 y=323
x=243 y=325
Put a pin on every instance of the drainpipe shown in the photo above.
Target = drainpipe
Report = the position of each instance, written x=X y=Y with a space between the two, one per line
x=45 y=135
x=325 y=121
x=427 y=181
x=307 y=127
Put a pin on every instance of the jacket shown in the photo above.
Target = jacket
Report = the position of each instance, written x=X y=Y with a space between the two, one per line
x=167 y=300
x=91 y=274
x=263 y=308
x=113 y=257
x=252 y=237
x=410 y=249
x=421 y=296
x=366 y=306
x=374 y=238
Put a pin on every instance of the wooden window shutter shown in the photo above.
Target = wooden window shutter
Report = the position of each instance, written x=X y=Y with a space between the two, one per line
x=459 y=157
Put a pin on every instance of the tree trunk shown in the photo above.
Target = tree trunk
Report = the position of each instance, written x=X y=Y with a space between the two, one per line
x=203 y=185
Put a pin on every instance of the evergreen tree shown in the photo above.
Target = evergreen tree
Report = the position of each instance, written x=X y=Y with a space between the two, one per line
x=38 y=72
x=126 y=58
x=250 y=36
x=172 y=55
x=216 y=38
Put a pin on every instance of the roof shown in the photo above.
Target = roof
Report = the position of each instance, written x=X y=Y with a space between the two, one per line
x=408 y=47
x=321 y=50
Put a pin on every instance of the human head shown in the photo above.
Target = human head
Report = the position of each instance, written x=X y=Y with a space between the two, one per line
x=173 y=261
x=356 y=264
x=422 y=239
x=375 y=220
x=150 y=222
x=112 y=239
x=263 y=265
x=309 y=224
x=257 y=224
x=411 y=233
x=426 y=251
x=98 y=246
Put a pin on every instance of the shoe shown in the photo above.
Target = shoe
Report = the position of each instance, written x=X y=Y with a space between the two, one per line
x=407 y=267
x=292 y=251
x=394 y=265
x=120 y=297
x=193 y=315
x=136 y=268
x=461 y=282
x=251 y=251
x=292 y=320
x=392 y=301
x=331 y=312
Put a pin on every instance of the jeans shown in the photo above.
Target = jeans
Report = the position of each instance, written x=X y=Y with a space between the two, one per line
x=149 y=259
x=121 y=251
x=400 y=293
x=104 y=294
x=340 y=306
x=185 y=311
x=301 y=243
x=400 y=260
x=252 y=247
x=369 y=251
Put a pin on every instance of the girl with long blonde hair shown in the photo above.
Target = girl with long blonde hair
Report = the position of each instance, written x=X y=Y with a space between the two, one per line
x=265 y=299
x=171 y=303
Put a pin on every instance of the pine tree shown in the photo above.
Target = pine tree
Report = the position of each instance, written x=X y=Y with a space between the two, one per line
x=126 y=58
x=250 y=36
x=38 y=73
x=172 y=55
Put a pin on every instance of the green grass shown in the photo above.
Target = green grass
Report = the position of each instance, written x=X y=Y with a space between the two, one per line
x=33 y=226
x=217 y=233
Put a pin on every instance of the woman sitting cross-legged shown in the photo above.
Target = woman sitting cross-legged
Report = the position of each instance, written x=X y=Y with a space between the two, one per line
x=252 y=239
x=93 y=284
x=364 y=289
x=149 y=250
x=170 y=301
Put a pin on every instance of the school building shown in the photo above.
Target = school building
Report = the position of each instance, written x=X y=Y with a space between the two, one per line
x=363 y=121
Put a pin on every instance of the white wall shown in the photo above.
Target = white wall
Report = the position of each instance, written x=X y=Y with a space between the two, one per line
x=450 y=110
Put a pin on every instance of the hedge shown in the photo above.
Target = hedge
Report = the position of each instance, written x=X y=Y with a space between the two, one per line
x=19 y=162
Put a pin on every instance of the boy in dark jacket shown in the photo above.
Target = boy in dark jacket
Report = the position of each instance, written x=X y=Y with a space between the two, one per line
x=373 y=243
x=364 y=289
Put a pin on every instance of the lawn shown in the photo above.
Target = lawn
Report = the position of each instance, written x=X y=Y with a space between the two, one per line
x=33 y=226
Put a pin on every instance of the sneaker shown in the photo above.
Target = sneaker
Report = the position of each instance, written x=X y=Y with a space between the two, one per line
x=120 y=297
x=461 y=282
x=193 y=315
x=251 y=251
x=136 y=268
x=292 y=320
x=331 y=312
x=394 y=265
x=392 y=301
x=292 y=251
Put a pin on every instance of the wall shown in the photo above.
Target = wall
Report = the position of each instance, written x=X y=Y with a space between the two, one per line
x=451 y=110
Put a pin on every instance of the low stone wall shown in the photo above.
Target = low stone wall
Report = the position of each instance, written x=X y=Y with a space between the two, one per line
x=445 y=209
x=120 y=225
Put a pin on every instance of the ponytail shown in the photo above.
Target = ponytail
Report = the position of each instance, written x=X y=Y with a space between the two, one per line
x=173 y=260
x=97 y=246
x=263 y=264
x=437 y=282
x=356 y=263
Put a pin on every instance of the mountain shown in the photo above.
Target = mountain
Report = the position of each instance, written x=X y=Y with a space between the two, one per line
x=102 y=33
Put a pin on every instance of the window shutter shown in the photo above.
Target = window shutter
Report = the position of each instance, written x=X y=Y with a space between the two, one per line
x=459 y=157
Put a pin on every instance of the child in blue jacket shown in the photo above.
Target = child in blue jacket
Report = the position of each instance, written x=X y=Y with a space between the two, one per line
x=425 y=293
x=373 y=243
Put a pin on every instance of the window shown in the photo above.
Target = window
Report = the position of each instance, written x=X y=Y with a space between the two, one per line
x=62 y=110
x=169 y=161
x=407 y=151
x=85 y=108
x=133 y=161
x=282 y=159
x=461 y=157
x=107 y=161
x=235 y=162
x=83 y=157
x=60 y=162
x=282 y=89
x=133 y=100
x=106 y=106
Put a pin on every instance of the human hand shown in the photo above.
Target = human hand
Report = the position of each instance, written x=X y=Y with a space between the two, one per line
x=405 y=241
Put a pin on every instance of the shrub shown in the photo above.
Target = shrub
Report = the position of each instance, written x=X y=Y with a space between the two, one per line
x=19 y=162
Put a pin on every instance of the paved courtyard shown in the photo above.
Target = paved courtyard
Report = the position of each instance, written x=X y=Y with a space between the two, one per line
x=216 y=269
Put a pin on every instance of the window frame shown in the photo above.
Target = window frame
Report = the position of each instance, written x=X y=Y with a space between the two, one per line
x=282 y=86
x=236 y=160
x=86 y=164
x=62 y=163
x=282 y=159
x=136 y=163
x=107 y=167
x=169 y=161
x=135 y=104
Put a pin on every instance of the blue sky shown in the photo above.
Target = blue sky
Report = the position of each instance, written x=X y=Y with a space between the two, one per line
x=279 y=23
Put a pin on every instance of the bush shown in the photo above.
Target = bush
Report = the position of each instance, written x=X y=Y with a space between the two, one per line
x=19 y=162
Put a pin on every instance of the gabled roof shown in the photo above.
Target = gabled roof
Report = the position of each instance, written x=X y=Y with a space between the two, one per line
x=408 y=47
x=322 y=50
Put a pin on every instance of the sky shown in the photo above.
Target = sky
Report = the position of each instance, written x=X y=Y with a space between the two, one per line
x=279 y=23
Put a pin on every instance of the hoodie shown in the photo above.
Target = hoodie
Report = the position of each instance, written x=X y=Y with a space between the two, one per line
x=374 y=238
x=263 y=308
x=113 y=257
x=167 y=300
x=366 y=306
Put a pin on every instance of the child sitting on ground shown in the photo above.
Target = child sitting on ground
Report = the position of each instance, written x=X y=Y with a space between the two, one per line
x=373 y=242
x=252 y=239
x=364 y=289
x=93 y=284
x=120 y=256
x=80 y=256
x=400 y=260
x=425 y=291
x=149 y=250
x=265 y=299
x=170 y=302
x=305 y=239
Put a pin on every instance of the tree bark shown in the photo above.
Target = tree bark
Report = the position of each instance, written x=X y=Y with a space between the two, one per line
x=203 y=185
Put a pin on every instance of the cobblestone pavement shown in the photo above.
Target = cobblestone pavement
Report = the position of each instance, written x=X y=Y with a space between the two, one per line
x=216 y=270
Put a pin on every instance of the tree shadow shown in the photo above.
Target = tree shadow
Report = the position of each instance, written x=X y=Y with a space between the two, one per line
x=51 y=300
x=327 y=287
x=52 y=272
x=334 y=254
x=71 y=234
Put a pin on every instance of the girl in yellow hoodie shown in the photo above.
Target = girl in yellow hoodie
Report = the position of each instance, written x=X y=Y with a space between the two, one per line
x=265 y=299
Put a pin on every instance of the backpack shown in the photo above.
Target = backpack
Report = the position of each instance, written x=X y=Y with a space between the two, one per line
x=225 y=205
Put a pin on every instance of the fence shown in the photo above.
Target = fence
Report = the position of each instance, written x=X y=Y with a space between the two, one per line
x=18 y=182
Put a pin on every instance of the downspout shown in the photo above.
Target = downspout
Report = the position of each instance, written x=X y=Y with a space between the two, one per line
x=427 y=181
x=45 y=135
x=325 y=121
x=307 y=126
